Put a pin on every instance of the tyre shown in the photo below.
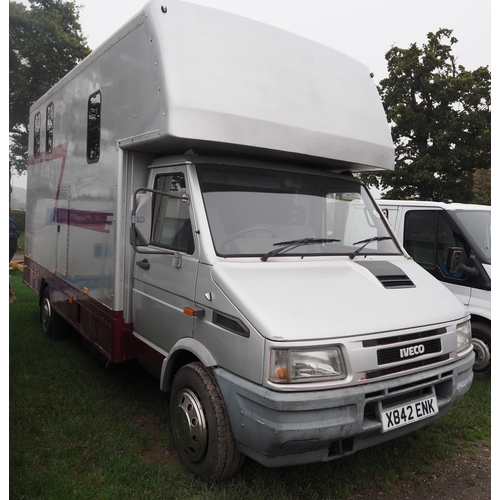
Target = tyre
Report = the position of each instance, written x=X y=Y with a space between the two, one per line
x=481 y=341
x=52 y=323
x=200 y=425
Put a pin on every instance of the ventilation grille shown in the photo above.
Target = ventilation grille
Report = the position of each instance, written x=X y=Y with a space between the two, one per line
x=234 y=325
x=403 y=338
x=406 y=366
x=396 y=281
x=388 y=274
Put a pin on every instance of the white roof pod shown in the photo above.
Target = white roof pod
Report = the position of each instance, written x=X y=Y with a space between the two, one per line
x=221 y=83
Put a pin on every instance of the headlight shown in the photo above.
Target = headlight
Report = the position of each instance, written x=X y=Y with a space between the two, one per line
x=463 y=336
x=289 y=366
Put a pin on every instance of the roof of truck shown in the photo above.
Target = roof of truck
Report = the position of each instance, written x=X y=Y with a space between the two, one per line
x=433 y=204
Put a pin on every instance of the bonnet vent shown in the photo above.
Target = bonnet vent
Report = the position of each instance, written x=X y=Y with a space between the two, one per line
x=388 y=274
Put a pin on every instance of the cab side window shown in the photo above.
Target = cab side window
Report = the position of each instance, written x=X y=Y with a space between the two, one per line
x=420 y=235
x=428 y=235
x=171 y=221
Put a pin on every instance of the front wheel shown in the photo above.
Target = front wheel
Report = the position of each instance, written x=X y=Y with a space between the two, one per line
x=200 y=425
x=481 y=341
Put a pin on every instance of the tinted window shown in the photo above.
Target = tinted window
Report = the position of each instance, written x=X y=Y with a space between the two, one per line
x=49 y=128
x=428 y=236
x=94 y=128
x=37 y=125
x=478 y=223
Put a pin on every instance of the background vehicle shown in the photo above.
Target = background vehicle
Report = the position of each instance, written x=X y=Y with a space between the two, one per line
x=191 y=204
x=428 y=230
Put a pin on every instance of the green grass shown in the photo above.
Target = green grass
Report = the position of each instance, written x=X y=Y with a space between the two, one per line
x=21 y=240
x=80 y=430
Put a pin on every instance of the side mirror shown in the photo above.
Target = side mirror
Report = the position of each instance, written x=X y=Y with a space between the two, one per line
x=141 y=219
x=454 y=260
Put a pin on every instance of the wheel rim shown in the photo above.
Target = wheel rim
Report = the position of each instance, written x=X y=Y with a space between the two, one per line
x=46 y=314
x=190 y=425
x=483 y=356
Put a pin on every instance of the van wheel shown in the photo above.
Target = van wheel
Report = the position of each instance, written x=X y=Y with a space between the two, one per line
x=52 y=323
x=481 y=341
x=200 y=425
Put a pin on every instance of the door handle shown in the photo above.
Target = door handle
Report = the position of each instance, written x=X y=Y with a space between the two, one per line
x=143 y=263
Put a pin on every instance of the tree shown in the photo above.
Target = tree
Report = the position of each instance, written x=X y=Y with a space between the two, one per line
x=45 y=42
x=482 y=187
x=440 y=121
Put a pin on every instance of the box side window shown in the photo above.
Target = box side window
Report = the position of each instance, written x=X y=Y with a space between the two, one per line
x=37 y=126
x=49 y=128
x=94 y=128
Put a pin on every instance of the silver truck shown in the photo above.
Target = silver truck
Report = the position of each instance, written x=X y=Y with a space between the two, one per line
x=192 y=204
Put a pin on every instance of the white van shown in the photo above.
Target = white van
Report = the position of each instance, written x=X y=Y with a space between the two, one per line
x=191 y=204
x=428 y=230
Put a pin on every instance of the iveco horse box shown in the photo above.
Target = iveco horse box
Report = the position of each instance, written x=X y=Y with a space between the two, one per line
x=192 y=203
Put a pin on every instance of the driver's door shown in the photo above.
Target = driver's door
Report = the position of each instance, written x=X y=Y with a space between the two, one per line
x=164 y=283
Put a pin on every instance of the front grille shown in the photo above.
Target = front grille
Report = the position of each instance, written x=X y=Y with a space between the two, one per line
x=406 y=366
x=403 y=338
x=401 y=353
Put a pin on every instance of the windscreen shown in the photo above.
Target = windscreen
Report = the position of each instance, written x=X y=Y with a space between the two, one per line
x=252 y=211
x=478 y=224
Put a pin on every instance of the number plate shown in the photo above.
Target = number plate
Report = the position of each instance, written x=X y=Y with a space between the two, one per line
x=408 y=413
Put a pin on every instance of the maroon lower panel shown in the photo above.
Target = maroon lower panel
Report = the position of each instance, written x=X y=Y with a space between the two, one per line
x=100 y=325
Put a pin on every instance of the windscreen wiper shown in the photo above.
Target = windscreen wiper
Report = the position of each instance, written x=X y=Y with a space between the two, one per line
x=289 y=245
x=368 y=240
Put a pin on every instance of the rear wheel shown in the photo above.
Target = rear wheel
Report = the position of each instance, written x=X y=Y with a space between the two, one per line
x=481 y=341
x=200 y=425
x=52 y=323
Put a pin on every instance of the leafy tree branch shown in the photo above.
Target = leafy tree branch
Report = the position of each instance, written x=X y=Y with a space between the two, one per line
x=45 y=42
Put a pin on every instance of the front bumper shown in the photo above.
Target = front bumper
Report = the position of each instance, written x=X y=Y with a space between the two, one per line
x=278 y=429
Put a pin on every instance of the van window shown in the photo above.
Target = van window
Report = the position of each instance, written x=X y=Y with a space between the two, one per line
x=49 y=128
x=37 y=126
x=94 y=128
x=428 y=236
x=478 y=223
x=171 y=221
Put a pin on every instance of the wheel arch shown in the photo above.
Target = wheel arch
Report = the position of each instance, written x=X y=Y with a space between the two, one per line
x=480 y=319
x=43 y=285
x=186 y=351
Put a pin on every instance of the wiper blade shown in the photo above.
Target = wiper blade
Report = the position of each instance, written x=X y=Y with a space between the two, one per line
x=289 y=245
x=368 y=240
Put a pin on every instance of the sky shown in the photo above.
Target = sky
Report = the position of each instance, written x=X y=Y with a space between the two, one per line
x=363 y=29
